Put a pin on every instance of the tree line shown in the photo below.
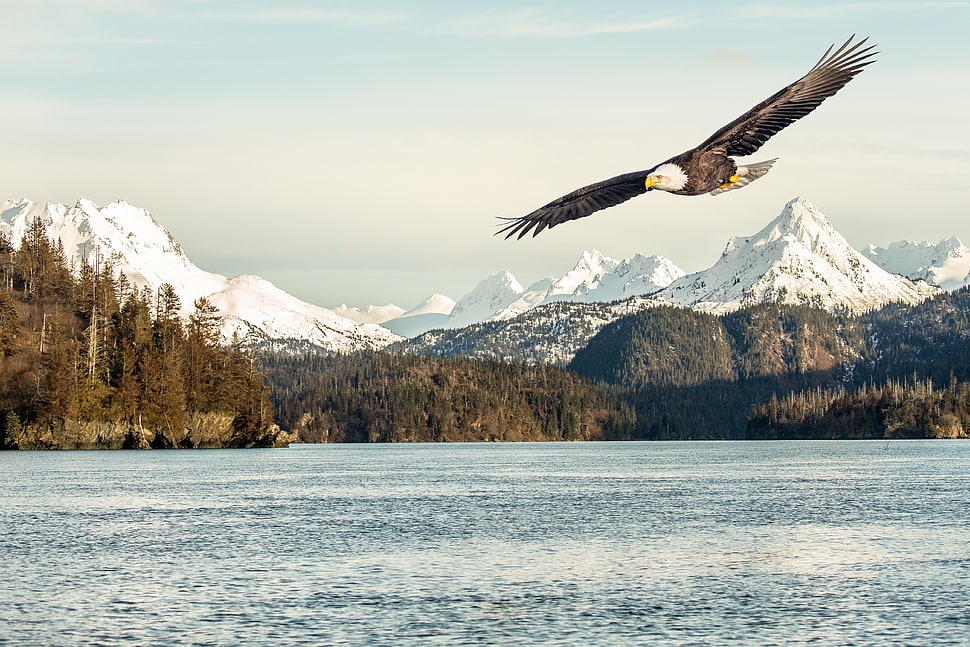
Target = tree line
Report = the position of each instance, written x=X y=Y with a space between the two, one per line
x=386 y=397
x=88 y=361
x=895 y=409
x=664 y=373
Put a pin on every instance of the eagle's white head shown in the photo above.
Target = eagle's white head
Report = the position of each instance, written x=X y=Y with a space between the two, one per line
x=667 y=177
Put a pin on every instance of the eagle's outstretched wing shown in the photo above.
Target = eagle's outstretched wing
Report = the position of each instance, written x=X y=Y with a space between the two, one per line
x=743 y=136
x=578 y=204
x=750 y=131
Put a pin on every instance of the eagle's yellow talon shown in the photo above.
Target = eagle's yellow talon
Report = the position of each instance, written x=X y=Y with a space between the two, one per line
x=725 y=186
x=733 y=179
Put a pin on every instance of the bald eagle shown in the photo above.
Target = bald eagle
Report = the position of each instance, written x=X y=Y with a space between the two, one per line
x=709 y=168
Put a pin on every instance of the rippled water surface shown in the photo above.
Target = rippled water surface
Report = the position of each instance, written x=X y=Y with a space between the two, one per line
x=837 y=543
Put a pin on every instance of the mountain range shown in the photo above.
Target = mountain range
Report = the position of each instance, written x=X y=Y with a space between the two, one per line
x=946 y=263
x=255 y=311
x=798 y=257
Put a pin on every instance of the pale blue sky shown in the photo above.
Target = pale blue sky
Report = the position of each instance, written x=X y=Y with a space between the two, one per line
x=359 y=152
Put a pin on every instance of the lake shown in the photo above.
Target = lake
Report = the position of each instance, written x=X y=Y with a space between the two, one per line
x=694 y=543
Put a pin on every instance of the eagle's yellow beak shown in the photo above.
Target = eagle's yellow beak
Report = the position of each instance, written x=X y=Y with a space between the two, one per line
x=651 y=180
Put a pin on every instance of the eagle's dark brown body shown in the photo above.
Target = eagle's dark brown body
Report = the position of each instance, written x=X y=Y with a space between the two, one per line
x=705 y=170
x=710 y=167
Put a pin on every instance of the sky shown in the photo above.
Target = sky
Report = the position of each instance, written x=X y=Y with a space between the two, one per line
x=359 y=153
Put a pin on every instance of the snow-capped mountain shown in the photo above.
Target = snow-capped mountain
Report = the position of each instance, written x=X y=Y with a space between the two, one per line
x=431 y=313
x=550 y=333
x=599 y=278
x=370 y=314
x=798 y=258
x=594 y=279
x=436 y=304
x=127 y=236
x=489 y=300
x=149 y=256
x=945 y=264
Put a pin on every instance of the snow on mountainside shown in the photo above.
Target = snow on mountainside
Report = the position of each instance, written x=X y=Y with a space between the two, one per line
x=946 y=263
x=594 y=279
x=149 y=256
x=128 y=236
x=798 y=258
x=550 y=333
x=370 y=314
x=600 y=279
x=437 y=304
x=431 y=313
x=489 y=300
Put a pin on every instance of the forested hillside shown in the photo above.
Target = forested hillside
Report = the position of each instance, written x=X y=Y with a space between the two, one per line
x=384 y=397
x=914 y=381
x=88 y=362
x=696 y=375
x=692 y=375
x=661 y=373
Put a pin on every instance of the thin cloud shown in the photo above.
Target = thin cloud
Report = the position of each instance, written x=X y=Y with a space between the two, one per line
x=340 y=16
x=828 y=11
x=729 y=57
x=539 y=23
x=124 y=41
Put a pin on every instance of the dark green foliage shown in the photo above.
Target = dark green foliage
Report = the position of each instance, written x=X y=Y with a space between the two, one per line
x=930 y=340
x=698 y=376
x=662 y=346
x=681 y=374
x=384 y=397
x=798 y=344
x=895 y=410
x=85 y=350
x=908 y=349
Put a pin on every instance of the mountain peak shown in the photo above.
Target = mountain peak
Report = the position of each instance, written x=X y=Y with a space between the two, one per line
x=149 y=256
x=435 y=304
x=592 y=259
x=491 y=295
x=946 y=263
x=798 y=257
x=800 y=221
x=370 y=314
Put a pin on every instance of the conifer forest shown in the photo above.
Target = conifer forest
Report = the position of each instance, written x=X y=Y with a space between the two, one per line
x=86 y=361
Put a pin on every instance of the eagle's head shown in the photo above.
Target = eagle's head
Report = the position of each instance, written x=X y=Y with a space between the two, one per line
x=667 y=177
